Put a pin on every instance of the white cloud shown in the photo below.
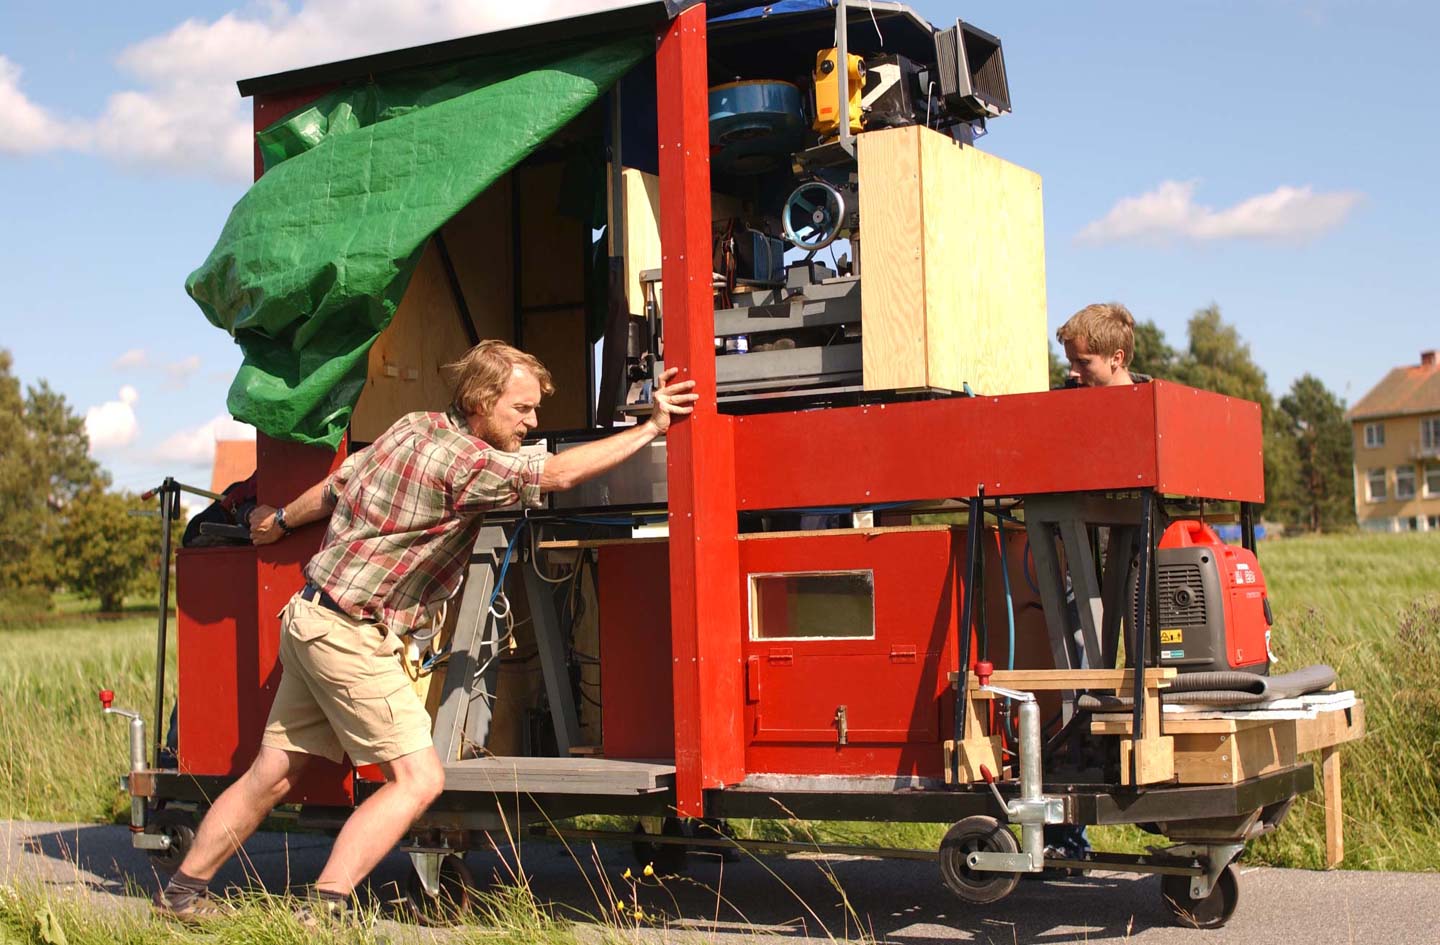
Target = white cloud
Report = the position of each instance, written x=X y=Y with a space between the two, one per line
x=132 y=360
x=196 y=446
x=25 y=127
x=185 y=113
x=112 y=425
x=180 y=372
x=1169 y=212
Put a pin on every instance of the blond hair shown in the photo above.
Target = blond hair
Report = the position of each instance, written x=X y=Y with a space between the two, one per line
x=482 y=372
x=1106 y=327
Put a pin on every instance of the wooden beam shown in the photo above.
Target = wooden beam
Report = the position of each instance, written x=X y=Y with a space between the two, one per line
x=705 y=617
x=1334 y=811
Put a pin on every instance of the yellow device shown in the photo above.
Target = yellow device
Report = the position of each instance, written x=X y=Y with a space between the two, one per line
x=827 y=92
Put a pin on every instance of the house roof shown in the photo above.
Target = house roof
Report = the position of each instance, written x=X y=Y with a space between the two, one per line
x=1412 y=388
x=234 y=461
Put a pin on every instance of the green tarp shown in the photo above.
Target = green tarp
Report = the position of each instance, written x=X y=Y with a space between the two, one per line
x=314 y=259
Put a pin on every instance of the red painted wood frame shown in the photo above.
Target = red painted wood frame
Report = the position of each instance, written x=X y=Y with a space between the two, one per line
x=1161 y=436
x=285 y=470
x=704 y=558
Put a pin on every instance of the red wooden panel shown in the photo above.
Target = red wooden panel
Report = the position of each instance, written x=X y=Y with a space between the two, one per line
x=1208 y=444
x=285 y=470
x=219 y=683
x=1023 y=444
x=894 y=686
x=704 y=560
x=636 y=691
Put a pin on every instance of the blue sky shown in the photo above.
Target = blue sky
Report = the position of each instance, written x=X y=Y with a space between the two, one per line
x=1274 y=157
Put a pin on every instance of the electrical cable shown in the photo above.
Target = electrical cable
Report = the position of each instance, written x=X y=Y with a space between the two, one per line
x=444 y=652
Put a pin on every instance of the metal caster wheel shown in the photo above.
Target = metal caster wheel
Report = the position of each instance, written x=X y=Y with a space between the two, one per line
x=1209 y=913
x=978 y=834
x=455 y=898
x=666 y=858
x=179 y=826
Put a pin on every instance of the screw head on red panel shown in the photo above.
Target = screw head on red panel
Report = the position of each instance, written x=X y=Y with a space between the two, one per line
x=107 y=698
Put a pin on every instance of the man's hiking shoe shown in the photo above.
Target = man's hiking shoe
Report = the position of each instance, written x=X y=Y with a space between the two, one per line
x=200 y=909
x=316 y=915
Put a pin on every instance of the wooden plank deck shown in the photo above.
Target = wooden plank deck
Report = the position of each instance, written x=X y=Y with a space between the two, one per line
x=516 y=775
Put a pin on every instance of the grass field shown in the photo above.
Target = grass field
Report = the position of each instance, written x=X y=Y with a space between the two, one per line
x=1368 y=605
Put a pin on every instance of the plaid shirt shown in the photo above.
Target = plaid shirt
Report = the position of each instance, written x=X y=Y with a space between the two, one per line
x=407 y=513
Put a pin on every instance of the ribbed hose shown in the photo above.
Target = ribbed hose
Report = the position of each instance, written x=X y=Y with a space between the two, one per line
x=1225 y=688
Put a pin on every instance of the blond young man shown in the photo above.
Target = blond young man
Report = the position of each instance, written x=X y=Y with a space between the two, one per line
x=1099 y=342
x=403 y=515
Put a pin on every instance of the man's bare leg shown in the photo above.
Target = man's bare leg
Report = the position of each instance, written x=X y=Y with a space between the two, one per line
x=237 y=813
x=412 y=784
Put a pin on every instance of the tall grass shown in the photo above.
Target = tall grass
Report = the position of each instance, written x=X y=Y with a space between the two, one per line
x=59 y=756
x=1370 y=607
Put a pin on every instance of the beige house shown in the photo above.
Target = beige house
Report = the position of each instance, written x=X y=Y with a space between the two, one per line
x=1397 y=450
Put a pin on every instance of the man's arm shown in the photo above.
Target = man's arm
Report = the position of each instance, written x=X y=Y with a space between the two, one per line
x=312 y=505
x=572 y=467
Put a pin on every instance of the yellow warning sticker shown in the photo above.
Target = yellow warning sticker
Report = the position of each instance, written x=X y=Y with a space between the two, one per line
x=1172 y=636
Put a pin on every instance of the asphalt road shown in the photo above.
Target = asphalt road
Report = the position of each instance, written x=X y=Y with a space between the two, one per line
x=797 y=896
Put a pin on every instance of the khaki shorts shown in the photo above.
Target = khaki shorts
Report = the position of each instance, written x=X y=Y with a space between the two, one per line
x=344 y=690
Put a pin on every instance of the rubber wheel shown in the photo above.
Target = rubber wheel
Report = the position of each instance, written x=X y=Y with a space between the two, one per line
x=666 y=858
x=1209 y=913
x=179 y=826
x=978 y=834
x=456 y=897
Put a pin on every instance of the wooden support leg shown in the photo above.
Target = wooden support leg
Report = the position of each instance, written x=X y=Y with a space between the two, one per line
x=977 y=749
x=1334 y=820
x=1156 y=758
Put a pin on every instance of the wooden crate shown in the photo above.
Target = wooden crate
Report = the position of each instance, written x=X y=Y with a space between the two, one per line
x=1227 y=751
x=952 y=266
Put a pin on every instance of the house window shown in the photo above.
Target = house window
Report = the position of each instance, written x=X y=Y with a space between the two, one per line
x=1432 y=480
x=1433 y=521
x=1374 y=435
x=1430 y=435
x=1375 y=485
x=1404 y=482
x=823 y=605
x=1411 y=524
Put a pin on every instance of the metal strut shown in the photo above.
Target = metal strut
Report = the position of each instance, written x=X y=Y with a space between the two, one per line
x=969 y=583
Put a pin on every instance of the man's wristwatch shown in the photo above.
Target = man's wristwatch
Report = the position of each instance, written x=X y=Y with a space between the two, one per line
x=280 y=521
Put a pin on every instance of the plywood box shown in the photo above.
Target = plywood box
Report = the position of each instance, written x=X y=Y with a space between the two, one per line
x=952 y=266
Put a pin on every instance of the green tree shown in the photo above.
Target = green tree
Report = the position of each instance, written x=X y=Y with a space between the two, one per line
x=1314 y=418
x=23 y=509
x=1153 y=355
x=1218 y=359
x=1058 y=368
x=103 y=550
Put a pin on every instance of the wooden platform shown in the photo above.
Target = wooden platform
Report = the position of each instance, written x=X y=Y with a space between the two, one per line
x=559 y=776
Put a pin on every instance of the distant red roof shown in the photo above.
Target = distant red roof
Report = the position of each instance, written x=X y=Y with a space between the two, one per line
x=1414 y=388
x=234 y=461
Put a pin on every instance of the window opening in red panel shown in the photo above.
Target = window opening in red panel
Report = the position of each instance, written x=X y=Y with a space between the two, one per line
x=812 y=605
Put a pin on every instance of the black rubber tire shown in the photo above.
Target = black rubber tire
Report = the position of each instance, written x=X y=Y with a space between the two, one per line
x=1213 y=911
x=179 y=826
x=977 y=834
x=667 y=858
x=456 y=898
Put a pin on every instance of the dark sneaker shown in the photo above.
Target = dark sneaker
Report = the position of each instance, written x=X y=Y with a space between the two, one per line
x=197 y=911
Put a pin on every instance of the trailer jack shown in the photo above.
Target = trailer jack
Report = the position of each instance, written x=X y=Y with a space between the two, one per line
x=137 y=763
x=1032 y=810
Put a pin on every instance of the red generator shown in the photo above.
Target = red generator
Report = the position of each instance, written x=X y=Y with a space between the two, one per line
x=1211 y=602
